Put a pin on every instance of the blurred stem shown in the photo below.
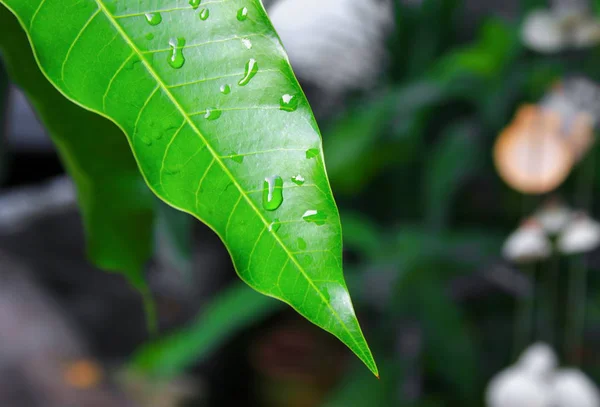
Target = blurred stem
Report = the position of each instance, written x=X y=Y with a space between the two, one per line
x=575 y=326
x=525 y=310
x=550 y=308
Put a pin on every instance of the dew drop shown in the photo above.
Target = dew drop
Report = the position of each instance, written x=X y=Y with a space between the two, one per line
x=204 y=14
x=176 y=59
x=272 y=193
x=289 y=103
x=247 y=43
x=275 y=225
x=312 y=153
x=301 y=243
x=146 y=140
x=195 y=3
x=225 y=89
x=298 y=179
x=153 y=18
x=212 y=114
x=236 y=158
x=149 y=36
x=242 y=14
x=316 y=217
x=250 y=70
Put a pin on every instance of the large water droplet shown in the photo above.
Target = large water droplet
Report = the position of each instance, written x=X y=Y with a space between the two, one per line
x=289 y=103
x=204 y=14
x=153 y=18
x=212 y=114
x=149 y=36
x=275 y=225
x=312 y=152
x=242 y=14
x=249 y=71
x=176 y=59
x=298 y=179
x=247 y=43
x=225 y=89
x=301 y=244
x=195 y=3
x=272 y=193
x=316 y=217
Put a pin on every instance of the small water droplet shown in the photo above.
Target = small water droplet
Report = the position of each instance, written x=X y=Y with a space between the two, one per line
x=249 y=71
x=289 y=103
x=301 y=243
x=212 y=114
x=247 y=43
x=275 y=225
x=149 y=36
x=195 y=3
x=272 y=192
x=176 y=59
x=204 y=14
x=237 y=158
x=153 y=18
x=298 y=179
x=242 y=14
x=312 y=153
x=146 y=140
x=225 y=89
x=316 y=217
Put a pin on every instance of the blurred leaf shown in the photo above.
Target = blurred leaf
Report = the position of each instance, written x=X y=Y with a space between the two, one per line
x=496 y=45
x=231 y=311
x=448 y=349
x=361 y=234
x=174 y=237
x=117 y=206
x=456 y=156
x=220 y=129
x=4 y=95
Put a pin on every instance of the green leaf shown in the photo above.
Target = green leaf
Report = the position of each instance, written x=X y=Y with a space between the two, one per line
x=233 y=310
x=117 y=206
x=220 y=128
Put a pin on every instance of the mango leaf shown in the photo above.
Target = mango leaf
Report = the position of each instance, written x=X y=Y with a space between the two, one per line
x=233 y=310
x=220 y=129
x=116 y=205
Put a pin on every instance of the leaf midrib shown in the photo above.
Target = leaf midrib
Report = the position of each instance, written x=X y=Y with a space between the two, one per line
x=217 y=158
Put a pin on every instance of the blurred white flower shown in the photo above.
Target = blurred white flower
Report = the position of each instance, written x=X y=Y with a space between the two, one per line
x=526 y=384
x=572 y=388
x=337 y=44
x=514 y=387
x=538 y=359
x=581 y=235
x=528 y=243
x=553 y=216
x=542 y=32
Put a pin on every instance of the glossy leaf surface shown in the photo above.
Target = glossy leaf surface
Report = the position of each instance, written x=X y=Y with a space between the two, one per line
x=220 y=129
x=116 y=205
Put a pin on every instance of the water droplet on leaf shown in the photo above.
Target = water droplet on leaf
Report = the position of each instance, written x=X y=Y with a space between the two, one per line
x=149 y=36
x=212 y=114
x=312 y=153
x=242 y=14
x=301 y=243
x=316 y=217
x=176 y=59
x=225 y=89
x=195 y=3
x=272 y=193
x=247 y=43
x=146 y=140
x=298 y=179
x=288 y=103
x=275 y=225
x=153 y=18
x=237 y=158
x=204 y=14
x=250 y=70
